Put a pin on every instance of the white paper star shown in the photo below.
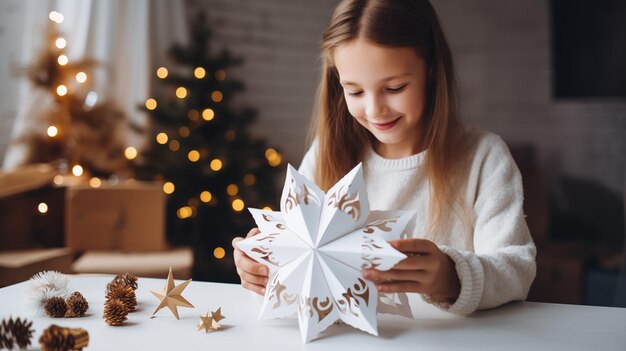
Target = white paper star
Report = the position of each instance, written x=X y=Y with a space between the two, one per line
x=316 y=247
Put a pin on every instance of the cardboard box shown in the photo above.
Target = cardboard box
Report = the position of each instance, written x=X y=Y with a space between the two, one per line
x=17 y=266
x=127 y=217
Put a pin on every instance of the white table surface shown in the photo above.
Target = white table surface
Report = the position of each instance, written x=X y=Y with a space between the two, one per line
x=517 y=326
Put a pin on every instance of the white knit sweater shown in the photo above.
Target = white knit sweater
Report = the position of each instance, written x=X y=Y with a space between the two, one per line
x=495 y=260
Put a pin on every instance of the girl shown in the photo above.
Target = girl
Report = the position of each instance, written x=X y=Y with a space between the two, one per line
x=387 y=98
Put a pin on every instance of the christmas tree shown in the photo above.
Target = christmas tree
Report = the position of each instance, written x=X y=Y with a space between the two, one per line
x=212 y=168
x=70 y=128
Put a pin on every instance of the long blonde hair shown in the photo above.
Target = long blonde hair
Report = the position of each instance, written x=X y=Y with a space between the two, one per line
x=342 y=140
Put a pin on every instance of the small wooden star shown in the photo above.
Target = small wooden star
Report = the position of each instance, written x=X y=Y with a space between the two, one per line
x=171 y=295
x=210 y=323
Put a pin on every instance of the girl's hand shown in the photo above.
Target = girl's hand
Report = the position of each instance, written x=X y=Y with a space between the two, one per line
x=253 y=275
x=427 y=270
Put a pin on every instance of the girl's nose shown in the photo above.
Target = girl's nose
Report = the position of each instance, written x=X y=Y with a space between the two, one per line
x=376 y=107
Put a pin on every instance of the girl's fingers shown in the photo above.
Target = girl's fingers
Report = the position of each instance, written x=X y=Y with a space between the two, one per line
x=253 y=232
x=259 y=289
x=396 y=274
x=246 y=264
x=252 y=278
x=416 y=262
x=415 y=246
x=400 y=286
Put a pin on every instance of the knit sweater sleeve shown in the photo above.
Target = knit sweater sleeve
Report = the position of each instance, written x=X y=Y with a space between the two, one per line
x=502 y=266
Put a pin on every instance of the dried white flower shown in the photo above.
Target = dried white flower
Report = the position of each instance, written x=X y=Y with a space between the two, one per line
x=45 y=285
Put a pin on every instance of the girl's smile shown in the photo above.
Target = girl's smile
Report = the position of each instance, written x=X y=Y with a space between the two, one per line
x=382 y=126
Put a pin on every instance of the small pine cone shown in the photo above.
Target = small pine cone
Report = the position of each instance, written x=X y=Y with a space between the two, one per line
x=55 y=307
x=115 y=312
x=77 y=305
x=56 y=338
x=16 y=333
x=127 y=279
x=124 y=293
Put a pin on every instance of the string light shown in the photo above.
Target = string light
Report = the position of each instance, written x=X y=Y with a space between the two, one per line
x=58 y=179
x=193 y=155
x=219 y=253
x=174 y=145
x=193 y=115
x=61 y=90
x=56 y=17
x=95 y=182
x=42 y=207
x=162 y=72
x=130 y=153
x=217 y=96
x=183 y=131
x=161 y=138
x=168 y=187
x=52 y=131
x=184 y=212
x=60 y=43
x=249 y=179
x=151 y=104
x=63 y=60
x=206 y=196
x=238 y=205
x=273 y=157
x=216 y=164
x=77 y=170
x=267 y=208
x=181 y=92
x=81 y=77
x=208 y=114
x=91 y=99
x=220 y=74
x=232 y=189
x=199 y=72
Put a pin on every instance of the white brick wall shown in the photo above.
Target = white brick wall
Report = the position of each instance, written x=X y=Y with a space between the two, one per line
x=502 y=52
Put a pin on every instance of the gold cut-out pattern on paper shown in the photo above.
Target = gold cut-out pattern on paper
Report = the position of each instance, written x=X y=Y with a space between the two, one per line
x=348 y=303
x=370 y=262
x=266 y=254
x=370 y=244
x=269 y=238
x=277 y=291
x=381 y=224
x=346 y=202
x=322 y=309
x=269 y=219
x=301 y=195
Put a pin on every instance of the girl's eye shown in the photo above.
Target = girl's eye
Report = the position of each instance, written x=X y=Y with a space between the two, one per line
x=397 y=90
x=356 y=93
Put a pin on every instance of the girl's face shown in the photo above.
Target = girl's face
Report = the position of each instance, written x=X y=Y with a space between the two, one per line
x=385 y=90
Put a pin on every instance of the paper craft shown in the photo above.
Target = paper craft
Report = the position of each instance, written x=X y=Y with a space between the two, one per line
x=207 y=323
x=316 y=248
x=171 y=296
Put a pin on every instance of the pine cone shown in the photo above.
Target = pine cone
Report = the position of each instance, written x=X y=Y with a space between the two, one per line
x=77 y=305
x=57 y=338
x=15 y=333
x=127 y=279
x=124 y=293
x=115 y=312
x=55 y=307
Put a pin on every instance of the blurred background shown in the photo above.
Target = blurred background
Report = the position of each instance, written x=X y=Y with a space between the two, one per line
x=134 y=134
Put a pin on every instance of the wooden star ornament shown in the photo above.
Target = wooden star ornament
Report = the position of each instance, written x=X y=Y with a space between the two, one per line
x=171 y=295
x=210 y=323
